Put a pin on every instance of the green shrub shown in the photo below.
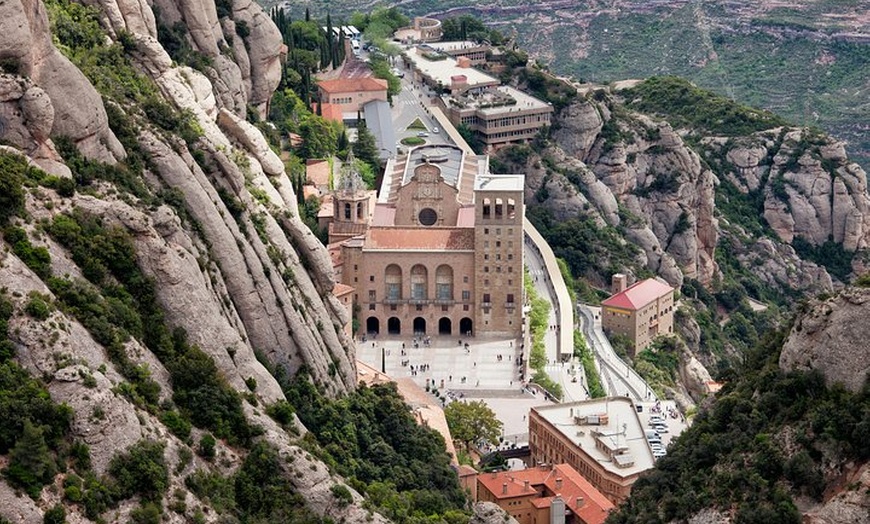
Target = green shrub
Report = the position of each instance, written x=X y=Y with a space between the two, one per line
x=342 y=494
x=38 y=306
x=176 y=424
x=206 y=447
x=141 y=470
x=12 y=176
x=36 y=258
x=55 y=515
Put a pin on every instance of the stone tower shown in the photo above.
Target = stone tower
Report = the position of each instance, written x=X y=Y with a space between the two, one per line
x=498 y=246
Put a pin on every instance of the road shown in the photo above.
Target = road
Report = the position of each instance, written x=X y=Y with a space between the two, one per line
x=410 y=104
x=617 y=377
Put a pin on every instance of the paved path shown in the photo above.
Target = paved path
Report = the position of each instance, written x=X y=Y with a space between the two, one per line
x=617 y=377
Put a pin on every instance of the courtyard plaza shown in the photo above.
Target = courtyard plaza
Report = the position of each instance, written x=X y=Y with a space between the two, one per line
x=458 y=364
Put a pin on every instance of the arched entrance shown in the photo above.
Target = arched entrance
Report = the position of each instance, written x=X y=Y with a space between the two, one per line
x=373 y=325
x=445 y=326
x=394 y=326
x=419 y=326
x=465 y=327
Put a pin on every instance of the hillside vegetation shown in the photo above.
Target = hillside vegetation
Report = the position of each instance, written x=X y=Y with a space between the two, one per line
x=769 y=437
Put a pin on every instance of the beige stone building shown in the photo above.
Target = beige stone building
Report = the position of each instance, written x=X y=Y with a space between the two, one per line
x=603 y=439
x=443 y=251
x=497 y=114
x=641 y=311
x=351 y=94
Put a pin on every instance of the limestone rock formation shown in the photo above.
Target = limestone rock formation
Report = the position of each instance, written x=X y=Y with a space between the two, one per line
x=490 y=513
x=651 y=185
x=831 y=337
x=25 y=43
x=247 y=286
x=811 y=190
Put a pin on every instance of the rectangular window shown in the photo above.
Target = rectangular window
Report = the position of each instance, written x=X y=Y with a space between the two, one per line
x=372 y=295
x=418 y=291
x=498 y=244
x=443 y=291
x=371 y=278
x=465 y=280
x=466 y=295
x=419 y=307
x=394 y=291
x=510 y=298
x=486 y=269
x=371 y=307
x=486 y=297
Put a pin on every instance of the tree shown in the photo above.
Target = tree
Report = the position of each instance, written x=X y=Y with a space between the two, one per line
x=319 y=138
x=30 y=464
x=366 y=148
x=472 y=421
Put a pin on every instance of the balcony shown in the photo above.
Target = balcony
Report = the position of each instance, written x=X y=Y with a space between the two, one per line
x=486 y=305
x=510 y=305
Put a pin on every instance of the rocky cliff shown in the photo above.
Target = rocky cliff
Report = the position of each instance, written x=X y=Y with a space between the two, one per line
x=215 y=227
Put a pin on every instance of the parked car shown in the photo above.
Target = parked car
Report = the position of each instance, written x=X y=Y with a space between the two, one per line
x=659 y=453
x=435 y=130
x=661 y=428
x=422 y=134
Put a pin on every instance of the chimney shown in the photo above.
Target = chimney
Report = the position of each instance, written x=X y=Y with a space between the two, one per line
x=579 y=502
x=525 y=485
x=504 y=489
x=619 y=282
x=559 y=483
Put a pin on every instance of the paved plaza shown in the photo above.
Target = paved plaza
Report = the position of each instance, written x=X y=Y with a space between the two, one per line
x=486 y=364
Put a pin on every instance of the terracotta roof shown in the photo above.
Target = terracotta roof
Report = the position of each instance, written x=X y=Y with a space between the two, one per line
x=639 y=295
x=420 y=238
x=329 y=112
x=579 y=495
x=317 y=171
x=349 y=85
x=341 y=289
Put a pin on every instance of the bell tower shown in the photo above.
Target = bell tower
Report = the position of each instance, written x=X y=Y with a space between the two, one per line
x=351 y=203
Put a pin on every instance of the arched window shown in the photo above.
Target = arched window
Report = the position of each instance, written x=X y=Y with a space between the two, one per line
x=499 y=208
x=347 y=211
x=393 y=280
x=511 y=208
x=359 y=210
x=419 y=284
x=487 y=208
x=444 y=282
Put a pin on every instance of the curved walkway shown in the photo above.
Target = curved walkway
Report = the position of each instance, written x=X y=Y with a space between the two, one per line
x=617 y=377
x=558 y=290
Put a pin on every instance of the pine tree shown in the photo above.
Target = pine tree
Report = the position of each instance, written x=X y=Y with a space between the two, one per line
x=307 y=15
x=329 y=41
x=30 y=463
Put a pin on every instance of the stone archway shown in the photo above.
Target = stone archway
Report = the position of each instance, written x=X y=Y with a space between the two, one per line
x=394 y=326
x=419 y=326
x=466 y=327
x=373 y=325
x=445 y=326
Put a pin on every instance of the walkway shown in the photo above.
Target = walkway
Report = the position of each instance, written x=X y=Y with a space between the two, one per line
x=617 y=377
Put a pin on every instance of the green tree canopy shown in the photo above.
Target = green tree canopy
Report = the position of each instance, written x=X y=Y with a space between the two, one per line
x=472 y=421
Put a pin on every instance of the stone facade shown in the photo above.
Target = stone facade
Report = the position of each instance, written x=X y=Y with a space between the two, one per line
x=442 y=251
x=641 y=312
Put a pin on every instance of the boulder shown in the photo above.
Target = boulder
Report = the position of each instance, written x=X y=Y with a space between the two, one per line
x=831 y=337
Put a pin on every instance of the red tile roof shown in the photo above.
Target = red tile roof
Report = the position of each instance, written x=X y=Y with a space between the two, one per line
x=420 y=238
x=639 y=295
x=352 y=85
x=341 y=289
x=317 y=171
x=329 y=111
x=579 y=495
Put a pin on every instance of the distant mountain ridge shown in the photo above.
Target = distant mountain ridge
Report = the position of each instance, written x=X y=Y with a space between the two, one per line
x=805 y=60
